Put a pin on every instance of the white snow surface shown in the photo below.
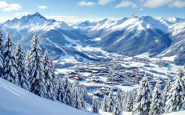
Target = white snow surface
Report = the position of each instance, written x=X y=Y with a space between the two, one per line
x=176 y=113
x=17 y=101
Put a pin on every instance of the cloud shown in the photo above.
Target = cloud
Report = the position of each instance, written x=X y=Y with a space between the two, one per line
x=43 y=7
x=126 y=4
x=140 y=9
x=178 y=4
x=9 y=7
x=20 y=14
x=103 y=2
x=160 y=3
x=84 y=3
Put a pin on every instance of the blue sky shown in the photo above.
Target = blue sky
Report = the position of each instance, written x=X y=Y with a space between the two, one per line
x=73 y=11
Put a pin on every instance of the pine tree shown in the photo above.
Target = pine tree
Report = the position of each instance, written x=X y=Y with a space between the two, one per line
x=166 y=91
x=1 y=53
x=60 y=93
x=48 y=76
x=120 y=97
x=143 y=99
x=129 y=103
x=110 y=101
x=10 y=71
x=28 y=59
x=67 y=92
x=56 y=87
x=156 y=107
x=125 y=96
x=82 y=97
x=117 y=107
x=76 y=102
x=104 y=104
x=95 y=107
x=176 y=96
x=36 y=72
x=22 y=69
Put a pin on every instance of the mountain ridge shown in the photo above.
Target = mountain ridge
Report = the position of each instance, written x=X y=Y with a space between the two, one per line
x=132 y=35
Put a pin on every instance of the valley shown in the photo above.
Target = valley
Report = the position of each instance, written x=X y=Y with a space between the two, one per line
x=121 y=72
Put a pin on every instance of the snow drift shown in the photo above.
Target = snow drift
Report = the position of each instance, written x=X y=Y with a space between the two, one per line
x=17 y=101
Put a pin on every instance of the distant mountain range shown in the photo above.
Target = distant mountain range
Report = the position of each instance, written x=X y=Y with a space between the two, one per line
x=129 y=36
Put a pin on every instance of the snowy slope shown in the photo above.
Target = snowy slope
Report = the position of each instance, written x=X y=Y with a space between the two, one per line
x=17 y=101
x=176 y=113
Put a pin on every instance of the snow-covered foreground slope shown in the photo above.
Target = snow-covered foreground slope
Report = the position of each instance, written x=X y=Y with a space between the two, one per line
x=176 y=113
x=17 y=101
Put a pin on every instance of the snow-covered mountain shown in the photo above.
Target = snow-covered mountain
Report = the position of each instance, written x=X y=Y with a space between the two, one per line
x=130 y=36
x=58 y=37
x=135 y=35
x=36 y=22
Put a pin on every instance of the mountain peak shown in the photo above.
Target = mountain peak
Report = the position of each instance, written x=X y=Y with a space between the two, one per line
x=37 y=14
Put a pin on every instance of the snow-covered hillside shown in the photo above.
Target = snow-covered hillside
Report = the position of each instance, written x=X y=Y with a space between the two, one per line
x=17 y=101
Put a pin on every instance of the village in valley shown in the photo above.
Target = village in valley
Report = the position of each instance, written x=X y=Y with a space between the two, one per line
x=121 y=72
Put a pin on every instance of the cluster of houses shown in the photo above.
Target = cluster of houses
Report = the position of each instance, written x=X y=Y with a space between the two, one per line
x=115 y=72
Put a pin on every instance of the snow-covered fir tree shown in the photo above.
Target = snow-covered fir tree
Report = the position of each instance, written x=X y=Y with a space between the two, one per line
x=166 y=91
x=143 y=99
x=66 y=92
x=117 y=107
x=60 y=93
x=104 y=104
x=156 y=107
x=22 y=69
x=36 y=70
x=48 y=76
x=56 y=87
x=124 y=101
x=175 y=101
x=119 y=95
x=10 y=70
x=110 y=101
x=95 y=107
x=129 y=103
x=27 y=58
x=81 y=92
x=76 y=102
x=1 y=53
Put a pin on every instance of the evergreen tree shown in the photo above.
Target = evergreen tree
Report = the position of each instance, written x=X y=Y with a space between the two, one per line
x=81 y=92
x=143 y=99
x=67 y=92
x=36 y=72
x=110 y=100
x=117 y=107
x=56 y=88
x=95 y=107
x=76 y=102
x=129 y=103
x=125 y=96
x=156 y=107
x=176 y=96
x=166 y=91
x=104 y=104
x=1 y=53
x=10 y=71
x=120 y=97
x=60 y=93
x=22 y=69
x=48 y=76
x=28 y=59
